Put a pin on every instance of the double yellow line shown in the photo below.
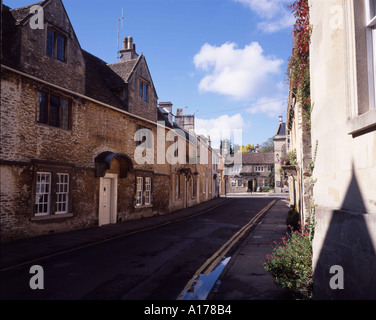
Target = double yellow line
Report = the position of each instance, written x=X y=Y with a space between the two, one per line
x=213 y=261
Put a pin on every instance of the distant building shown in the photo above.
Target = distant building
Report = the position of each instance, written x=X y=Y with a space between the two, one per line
x=280 y=150
x=251 y=173
x=186 y=121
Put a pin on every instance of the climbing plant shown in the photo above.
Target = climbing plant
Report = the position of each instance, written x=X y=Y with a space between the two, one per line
x=298 y=67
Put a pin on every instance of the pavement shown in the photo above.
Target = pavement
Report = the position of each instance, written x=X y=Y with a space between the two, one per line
x=243 y=278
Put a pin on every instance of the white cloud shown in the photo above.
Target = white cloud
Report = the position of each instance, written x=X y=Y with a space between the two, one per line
x=238 y=73
x=273 y=106
x=221 y=127
x=274 y=14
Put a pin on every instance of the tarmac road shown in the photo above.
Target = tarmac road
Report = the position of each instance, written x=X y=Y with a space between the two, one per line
x=154 y=264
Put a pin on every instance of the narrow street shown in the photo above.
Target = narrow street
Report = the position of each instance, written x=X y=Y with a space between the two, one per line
x=153 y=264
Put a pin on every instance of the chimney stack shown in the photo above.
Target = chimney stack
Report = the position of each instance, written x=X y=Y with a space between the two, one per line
x=280 y=119
x=129 y=50
x=187 y=122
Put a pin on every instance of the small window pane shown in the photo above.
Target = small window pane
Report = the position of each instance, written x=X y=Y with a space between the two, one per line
x=62 y=193
x=42 y=108
x=60 y=47
x=140 y=90
x=64 y=123
x=42 y=194
x=139 y=191
x=147 y=191
x=50 y=43
x=145 y=91
x=372 y=9
x=54 y=111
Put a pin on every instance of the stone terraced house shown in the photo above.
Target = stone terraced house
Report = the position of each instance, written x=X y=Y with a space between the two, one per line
x=70 y=133
x=250 y=173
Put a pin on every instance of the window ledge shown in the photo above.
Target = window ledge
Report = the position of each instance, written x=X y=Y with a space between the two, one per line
x=52 y=217
x=362 y=124
x=144 y=206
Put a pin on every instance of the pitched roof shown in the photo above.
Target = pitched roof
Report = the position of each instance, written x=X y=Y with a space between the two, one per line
x=281 y=131
x=101 y=81
x=124 y=69
x=22 y=13
x=258 y=158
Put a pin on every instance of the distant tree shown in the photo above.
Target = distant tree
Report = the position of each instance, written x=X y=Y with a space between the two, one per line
x=267 y=146
x=249 y=148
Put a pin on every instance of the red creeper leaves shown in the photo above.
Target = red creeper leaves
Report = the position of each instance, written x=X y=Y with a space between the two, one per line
x=299 y=62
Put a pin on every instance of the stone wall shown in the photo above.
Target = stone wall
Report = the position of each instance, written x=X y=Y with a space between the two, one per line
x=146 y=109
x=28 y=145
x=345 y=168
x=34 y=60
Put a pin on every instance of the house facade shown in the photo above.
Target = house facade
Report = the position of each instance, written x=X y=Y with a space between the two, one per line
x=249 y=172
x=343 y=120
x=83 y=142
x=298 y=158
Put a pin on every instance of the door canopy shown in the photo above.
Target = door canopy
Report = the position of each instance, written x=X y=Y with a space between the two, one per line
x=104 y=160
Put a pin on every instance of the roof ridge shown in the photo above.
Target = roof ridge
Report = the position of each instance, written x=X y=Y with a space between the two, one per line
x=29 y=5
x=119 y=62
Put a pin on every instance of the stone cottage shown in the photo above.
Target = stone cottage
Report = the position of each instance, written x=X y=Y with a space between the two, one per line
x=250 y=172
x=79 y=142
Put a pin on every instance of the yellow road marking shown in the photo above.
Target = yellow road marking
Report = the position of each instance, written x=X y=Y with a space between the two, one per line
x=220 y=253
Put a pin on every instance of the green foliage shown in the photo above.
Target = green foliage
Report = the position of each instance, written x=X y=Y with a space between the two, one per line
x=267 y=146
x=290 y=158
x=311 y=166
x=291 y=264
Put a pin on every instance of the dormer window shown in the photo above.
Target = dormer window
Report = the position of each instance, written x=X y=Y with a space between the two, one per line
x=56 y=44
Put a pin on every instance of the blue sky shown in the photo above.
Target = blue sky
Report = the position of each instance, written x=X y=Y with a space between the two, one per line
x=223 y=60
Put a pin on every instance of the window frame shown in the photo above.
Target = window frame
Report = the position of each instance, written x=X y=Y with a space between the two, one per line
x=371 y=50
x=43 y=110
x=53 y=170
x=38 y=195
x=55 y=46
x=63 y=193
x=143 y=86
x=147 y=191
x=139 y=191
x=361 y=106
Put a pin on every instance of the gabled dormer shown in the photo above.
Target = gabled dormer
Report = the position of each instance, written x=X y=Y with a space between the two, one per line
x=141 y=97
x=43 y=40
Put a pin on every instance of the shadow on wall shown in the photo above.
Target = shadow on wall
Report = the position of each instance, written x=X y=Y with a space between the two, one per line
x=348 y=244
